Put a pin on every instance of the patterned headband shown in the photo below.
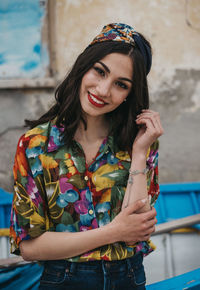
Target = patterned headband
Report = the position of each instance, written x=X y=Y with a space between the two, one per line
x=125 y=33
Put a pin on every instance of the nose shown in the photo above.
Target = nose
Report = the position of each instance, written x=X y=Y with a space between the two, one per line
x=104 y=88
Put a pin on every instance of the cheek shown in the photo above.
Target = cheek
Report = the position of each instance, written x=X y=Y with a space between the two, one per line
x=89 y=78
x=88 y=81
x=119 y=98
x=84 y=83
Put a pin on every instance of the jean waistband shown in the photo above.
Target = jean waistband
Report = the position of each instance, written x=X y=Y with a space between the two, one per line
x=98 y=265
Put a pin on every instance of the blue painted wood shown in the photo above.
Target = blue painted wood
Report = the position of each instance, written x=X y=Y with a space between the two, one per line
x=23 y=53
x=189 y=280
x=5 y=208
x=189 y=186
x=5 y=197
x=21 y=277
x=178 y=200
x=195 y=203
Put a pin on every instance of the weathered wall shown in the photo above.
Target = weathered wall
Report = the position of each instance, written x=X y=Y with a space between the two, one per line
x=173 y=27
x=16 y=106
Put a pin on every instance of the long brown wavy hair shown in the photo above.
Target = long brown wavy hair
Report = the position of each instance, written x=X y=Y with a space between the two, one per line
x=67 y=108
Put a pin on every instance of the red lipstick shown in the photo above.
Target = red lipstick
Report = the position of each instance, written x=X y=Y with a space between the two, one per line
x=96 y=101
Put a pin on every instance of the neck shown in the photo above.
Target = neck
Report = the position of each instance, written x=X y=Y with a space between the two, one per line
x=97 y=128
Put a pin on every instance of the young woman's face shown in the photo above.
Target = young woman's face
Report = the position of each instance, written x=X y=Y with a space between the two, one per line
x=106 y=85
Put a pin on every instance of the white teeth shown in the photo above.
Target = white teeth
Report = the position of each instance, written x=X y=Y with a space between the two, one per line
x=97 y=101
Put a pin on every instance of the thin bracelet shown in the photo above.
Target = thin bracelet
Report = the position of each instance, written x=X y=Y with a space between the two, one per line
x=136 y=172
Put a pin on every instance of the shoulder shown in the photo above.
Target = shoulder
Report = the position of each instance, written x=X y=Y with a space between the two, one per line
x=35 y=137
x=34 y=145
x=46 y=136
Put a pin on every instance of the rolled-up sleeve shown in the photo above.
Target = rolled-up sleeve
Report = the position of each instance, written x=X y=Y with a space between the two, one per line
x=152 y=174
x=28 y=214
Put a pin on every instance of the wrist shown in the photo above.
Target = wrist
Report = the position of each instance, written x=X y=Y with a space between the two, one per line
x=112 y=232
x=140 y=153
x=136 y=172
x=138 y=162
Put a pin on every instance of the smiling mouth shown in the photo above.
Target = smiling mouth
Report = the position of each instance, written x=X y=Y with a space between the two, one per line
x=96 y=101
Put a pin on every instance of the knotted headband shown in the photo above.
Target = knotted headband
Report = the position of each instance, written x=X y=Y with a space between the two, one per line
x=125 y=33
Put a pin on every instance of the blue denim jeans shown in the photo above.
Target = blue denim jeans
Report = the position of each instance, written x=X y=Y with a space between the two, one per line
x=96 y=275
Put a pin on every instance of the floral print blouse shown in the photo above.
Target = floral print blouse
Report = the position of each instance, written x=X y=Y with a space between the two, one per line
x=55 y=190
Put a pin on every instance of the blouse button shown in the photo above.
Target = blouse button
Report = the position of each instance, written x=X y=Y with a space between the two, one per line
x=86 y=178
x=91 y=211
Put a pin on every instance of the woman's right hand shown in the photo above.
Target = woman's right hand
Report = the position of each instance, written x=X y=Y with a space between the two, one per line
x=131 y=226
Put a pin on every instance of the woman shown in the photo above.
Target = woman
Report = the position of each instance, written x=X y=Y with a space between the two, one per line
x=85 y=171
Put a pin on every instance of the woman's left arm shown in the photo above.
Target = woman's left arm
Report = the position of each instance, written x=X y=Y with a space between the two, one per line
x=150 y=130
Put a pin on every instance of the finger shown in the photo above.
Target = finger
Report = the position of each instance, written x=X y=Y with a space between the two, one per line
x=150 y=231
x=143 y=118
x=154 y=115
x=149 y=113
x=157 y=124
x=151 y=223
x=146 y=237
x=148 y=123
x=149 y=215
x=135 y=206
x=160 y=126
x=154 y=121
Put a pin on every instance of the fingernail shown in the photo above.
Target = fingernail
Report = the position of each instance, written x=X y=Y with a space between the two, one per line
x=144 y=200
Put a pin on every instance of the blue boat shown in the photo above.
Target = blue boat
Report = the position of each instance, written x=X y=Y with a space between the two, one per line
x=177 y=237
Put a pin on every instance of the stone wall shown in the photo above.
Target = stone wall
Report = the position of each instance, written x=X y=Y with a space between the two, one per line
x=17 y=105
x=173 y=28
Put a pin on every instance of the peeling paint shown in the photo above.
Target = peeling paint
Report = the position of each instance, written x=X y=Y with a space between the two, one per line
x=77 y=3
x=193 y=13
x=22 y=53
x=195 y=98
x=179 y=94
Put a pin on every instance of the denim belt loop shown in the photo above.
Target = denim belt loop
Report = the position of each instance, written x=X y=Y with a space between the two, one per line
x=104 y=268
x=106 y=273
x=73 y=267
x=129 y=265
x=107 y=267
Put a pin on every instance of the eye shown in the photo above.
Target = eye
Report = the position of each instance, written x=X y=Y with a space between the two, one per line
x=99 y=71
x=122 y=85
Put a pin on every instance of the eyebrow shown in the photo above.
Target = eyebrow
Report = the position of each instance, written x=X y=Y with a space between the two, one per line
x=107 y=69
